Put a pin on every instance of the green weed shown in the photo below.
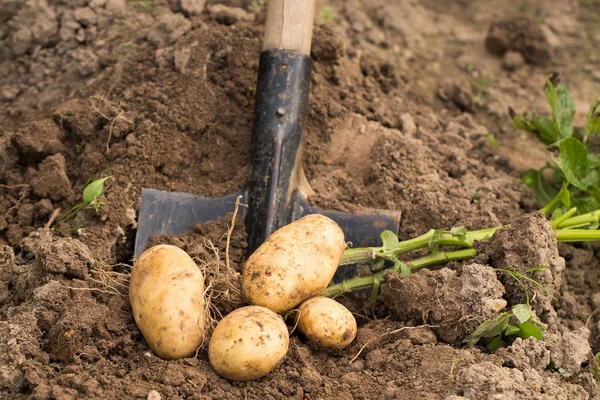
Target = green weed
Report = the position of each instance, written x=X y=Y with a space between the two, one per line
x=92 y=190
x=327 y=15
x=574 y=170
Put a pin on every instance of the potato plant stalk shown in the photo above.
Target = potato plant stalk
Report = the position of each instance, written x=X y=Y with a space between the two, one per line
x=564 y=228
x=427 y=261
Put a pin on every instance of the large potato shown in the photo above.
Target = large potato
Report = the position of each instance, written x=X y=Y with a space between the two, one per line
x=326 y=323
x=248 y=343
x=295 y=263
x=166 y=292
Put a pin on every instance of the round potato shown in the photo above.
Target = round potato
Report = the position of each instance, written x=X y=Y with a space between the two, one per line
x=295 y=263
x=326 y=323
x=248 y=343
x=166 y=292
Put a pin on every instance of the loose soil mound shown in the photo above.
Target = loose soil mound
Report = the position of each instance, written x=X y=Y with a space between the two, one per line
x=408 y=111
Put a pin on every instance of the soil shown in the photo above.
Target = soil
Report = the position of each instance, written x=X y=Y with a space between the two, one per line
x=408 y=111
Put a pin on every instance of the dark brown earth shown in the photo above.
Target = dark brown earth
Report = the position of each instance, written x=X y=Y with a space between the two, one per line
x=406 y=98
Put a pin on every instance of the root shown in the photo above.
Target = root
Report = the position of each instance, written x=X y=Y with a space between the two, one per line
x=223 y=292
x=108 y=281
x=230 y=231
x=110 y=111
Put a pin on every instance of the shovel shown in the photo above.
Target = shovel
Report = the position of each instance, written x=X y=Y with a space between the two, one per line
x=276 y=191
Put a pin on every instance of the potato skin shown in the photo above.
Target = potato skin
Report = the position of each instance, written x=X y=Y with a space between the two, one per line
x=295 y=263
x=326 y=323
x=166 y=292
x=248 y=343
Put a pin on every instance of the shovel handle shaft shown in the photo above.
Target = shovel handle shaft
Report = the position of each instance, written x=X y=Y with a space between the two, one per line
x=289 y=25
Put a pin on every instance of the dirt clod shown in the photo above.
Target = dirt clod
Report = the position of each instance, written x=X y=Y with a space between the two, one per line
x=468 y=299
x=529 y=243
x=519 y=34
x=51 y=180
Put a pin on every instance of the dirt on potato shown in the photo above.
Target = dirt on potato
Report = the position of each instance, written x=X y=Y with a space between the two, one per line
x=408 y=111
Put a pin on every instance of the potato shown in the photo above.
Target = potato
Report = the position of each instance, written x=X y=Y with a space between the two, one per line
x=166 y=292
x=295 y=263
x=248 y=343
x=326 y=323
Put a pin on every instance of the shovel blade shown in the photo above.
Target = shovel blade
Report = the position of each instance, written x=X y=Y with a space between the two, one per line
x=163 y=212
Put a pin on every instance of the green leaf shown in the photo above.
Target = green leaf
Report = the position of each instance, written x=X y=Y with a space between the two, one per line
x=556 y=214
x=585 y=204
x=389 y=239
x=495 y=344
x=511 y=330
x=489 y=328
x=522 y=122
x=522 y=312
x=538 y=268
x=545 y=129
x=534 y=179
x=460 y=232
x=527 y=330
x=573 y=162
x=434 y=243
x=563 y=107
x=93 y=190
x=594 y=160
x=542 y=127
x=402 y=268
x=592 y=127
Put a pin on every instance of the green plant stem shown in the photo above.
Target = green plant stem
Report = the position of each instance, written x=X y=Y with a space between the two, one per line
x=556 y=223
x=581 y=220
x=369 y=254
x=430 y=260
x=577 y=235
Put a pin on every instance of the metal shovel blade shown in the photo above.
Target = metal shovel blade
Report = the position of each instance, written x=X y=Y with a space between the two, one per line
x=163 y=212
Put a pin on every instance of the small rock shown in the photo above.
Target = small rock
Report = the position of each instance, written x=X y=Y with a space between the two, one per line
x=43 y=208
x=52 y=181
x=168 y=29
x=116 y=7
x=68 y=27
x=86 y=60
x=9 y=92
x=229 y=15
x=85 y=16
x=408 y=124
x=334 y=109
x=181 y=57
x=328 y=46
x=96 y=4
x=192 y=7
x=519 y=34
x=512 y=60
x=163 y=57
x=457 y=92
x=25 y=214
x=154 y=395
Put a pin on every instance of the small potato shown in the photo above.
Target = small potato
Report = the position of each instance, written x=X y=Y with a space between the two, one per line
x=295 y=263
x=166 y=292
x=326 y=323
x=248 y=343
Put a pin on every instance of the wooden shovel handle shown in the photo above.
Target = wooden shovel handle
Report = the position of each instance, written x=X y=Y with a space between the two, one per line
x=289 y=25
